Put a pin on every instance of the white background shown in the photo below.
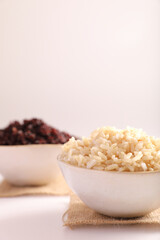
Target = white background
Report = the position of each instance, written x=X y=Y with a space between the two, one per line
x=78 y=64
x=82 y=64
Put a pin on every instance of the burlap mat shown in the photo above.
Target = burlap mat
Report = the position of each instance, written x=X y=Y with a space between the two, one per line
x=79 y=214
x=58 y=187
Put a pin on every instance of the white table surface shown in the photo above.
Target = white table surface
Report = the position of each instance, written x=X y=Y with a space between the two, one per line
x=37 y=218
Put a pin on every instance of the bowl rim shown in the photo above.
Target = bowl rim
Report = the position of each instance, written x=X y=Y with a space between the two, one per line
x=31 y=145
x=113 y=172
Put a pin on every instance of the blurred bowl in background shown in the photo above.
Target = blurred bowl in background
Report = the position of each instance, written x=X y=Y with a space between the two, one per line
x=24 y=165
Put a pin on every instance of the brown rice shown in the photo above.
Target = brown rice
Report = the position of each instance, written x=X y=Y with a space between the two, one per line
x=110 y=149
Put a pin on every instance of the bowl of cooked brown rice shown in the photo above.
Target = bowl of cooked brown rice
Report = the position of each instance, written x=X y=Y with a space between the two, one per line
x=115 y=172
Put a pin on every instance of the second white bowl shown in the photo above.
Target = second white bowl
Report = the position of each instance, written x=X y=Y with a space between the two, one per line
x=29 y=164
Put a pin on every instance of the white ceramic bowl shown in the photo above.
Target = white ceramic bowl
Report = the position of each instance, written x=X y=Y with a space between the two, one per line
x=29 y=164
x=116 y=194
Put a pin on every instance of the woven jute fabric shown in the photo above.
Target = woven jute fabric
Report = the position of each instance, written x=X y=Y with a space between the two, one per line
x=79 y=214
x=58 y=187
